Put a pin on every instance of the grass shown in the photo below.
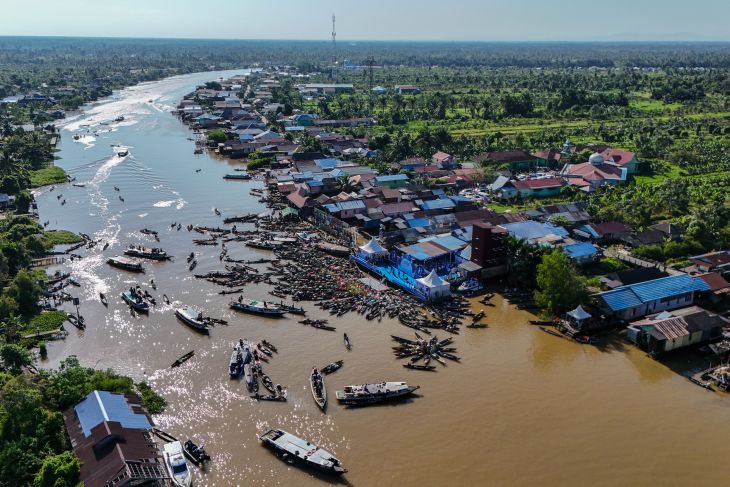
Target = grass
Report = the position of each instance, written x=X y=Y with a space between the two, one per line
x=46 y=176
x=642 y=101
x=60 y=237
x=46 y=321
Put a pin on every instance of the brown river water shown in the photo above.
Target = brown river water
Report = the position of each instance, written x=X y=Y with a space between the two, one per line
x=522 y=408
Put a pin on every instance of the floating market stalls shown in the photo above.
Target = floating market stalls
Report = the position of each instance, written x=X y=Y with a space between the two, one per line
x=372 y=251
x=433 y=287
x=578 y=317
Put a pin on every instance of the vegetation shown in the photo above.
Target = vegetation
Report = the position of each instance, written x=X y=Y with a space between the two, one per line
x=51 y=238
x=559 y=289
x=46 y=176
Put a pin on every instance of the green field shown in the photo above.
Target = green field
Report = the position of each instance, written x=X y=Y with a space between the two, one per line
x=46 y=176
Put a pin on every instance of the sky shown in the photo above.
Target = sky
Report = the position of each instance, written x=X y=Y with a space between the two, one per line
x=435 y=20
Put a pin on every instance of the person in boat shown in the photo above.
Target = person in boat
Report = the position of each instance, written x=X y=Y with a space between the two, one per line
x=240 y=298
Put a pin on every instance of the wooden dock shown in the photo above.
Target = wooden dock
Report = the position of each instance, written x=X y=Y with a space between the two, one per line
x=48 y=261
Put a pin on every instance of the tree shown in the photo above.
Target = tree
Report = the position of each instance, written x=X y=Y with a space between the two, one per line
x=559 y=289
x=218 y=135
x=25 y=291
x=13 y=358
x=61 y=470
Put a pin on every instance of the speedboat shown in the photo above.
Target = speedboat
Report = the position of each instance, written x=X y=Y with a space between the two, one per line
x=295 y=450
x=177 y=466
x=470 y=286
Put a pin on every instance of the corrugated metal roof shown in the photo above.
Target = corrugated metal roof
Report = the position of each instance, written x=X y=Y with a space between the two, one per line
x=635 y=294
x=438 y=204
x=580 y=249
x=392 y=177
x=100 y=406
x=530 y=229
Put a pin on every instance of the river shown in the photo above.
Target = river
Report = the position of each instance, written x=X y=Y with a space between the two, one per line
x=522 y=408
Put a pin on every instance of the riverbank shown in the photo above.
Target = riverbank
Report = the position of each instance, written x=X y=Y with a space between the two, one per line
x=489 y=400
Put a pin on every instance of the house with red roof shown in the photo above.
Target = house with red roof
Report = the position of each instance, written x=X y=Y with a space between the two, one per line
x=621 y=158
x=443 y=160
x=532 y=188
x=593 y=174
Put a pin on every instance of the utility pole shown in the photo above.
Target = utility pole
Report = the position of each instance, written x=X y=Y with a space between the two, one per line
x=334 y=48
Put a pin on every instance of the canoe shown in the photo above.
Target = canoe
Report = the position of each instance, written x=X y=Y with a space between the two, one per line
x=348 y=345
x=333 y=367
x=183 y=358
x=318 y=388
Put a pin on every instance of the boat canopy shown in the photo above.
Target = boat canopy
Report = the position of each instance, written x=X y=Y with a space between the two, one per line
x=373 y=248
x=579 y=314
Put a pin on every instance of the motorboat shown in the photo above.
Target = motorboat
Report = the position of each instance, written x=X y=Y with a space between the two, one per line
x=240 y=176
x=235 y=366
x=256 y=307
x=192 y=317
x=135 y=301
x=146 y=253
x=126 y=264
x=470 y=286
x=373 y=393
x=295 y=450
x=177 y=466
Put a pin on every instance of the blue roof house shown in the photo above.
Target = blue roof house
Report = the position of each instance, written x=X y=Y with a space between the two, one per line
x=581 y=252
x=638 y=300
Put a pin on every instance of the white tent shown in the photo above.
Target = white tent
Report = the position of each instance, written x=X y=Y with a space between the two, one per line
x=433 y=286
x=579 y=314
x=372 y=249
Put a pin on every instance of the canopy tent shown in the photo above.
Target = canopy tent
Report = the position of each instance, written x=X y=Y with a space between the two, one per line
x=373 y=248
x=579 y=314
x=289 y=212
x=433 y=286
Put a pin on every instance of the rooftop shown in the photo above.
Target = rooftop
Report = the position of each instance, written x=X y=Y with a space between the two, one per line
x=636 y=294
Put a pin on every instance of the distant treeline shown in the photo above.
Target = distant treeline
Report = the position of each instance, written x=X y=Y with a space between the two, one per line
x=199 y=54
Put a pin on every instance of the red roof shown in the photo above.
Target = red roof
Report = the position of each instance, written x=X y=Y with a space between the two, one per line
x=538 y=183
x=715 y=281
x=610 y=227
x=441 y=156
x=298 y=199
x=593 y=172
x=618 y=156
x=396 y=208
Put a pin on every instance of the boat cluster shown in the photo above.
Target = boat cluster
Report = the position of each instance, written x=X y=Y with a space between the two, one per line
x=424 y=350
x=247 y=360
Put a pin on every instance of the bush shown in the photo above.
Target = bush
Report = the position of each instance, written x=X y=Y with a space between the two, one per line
x=154 y=403
x=611 y=264
x=217 y=135
x=47 y=321
x=61 y=470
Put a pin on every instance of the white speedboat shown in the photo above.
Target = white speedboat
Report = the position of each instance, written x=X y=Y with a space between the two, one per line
x=177 y=466
x=470 y=286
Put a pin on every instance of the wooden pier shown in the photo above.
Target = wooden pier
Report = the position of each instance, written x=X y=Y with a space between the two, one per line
x=48 y=261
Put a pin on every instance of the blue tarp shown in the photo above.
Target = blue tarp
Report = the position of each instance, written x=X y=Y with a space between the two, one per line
x=581 y=249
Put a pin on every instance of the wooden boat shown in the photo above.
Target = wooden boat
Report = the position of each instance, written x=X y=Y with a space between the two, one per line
x=542 y=323
x=192 y=317
x=333 y=367
x=348 y=345
x=365 y=394
x=476 y=325
x=217 y=211
x=177 y=466
x=261 y=244
x=552 y=332
x=239 y=176
x=183 y=358
x=319 y=391
x=419 y=367
x=146 y=253
x=123 y=153
x=192 y=265
x=586 y=339
x=135 y=301
x=267 y=383
x=103 y=299
x=79 y=185
x=235 y=366
x=248 y=375
x=295 y=450
x=270 y=346
x=147 y=231
x=191 y=257
x=77 y=322
x=124 y=263
x=256 y=307
x=269 y=397
x=293 y=309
